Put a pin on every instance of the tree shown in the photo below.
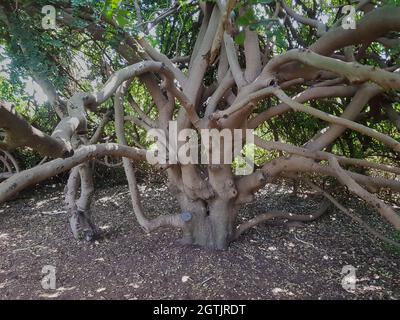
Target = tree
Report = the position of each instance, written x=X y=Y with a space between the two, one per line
x=223 y=65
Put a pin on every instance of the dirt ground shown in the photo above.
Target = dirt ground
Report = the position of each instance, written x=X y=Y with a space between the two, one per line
x=272 y=261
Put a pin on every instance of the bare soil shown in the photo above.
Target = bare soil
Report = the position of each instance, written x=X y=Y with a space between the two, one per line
x=272 y=261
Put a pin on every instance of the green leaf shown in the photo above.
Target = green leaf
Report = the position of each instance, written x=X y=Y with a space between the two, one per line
x=242 y=21
x=121 y=19
x=239 y=38
x=109 y=14
x=246 y=19
x=114 y=4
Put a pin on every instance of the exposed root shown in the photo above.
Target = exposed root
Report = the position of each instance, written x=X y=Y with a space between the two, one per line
x=279 y=215
x=81 y=223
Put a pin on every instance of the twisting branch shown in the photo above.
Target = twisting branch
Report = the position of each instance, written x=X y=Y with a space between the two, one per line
x=226 y=8
x=21 y=180
x=259 y=95
x=280 y=215
x=321 y=155
x=386 y=211
x=353 y=71
x=321 y=28
x=395 y=145
x=147 y=224
x=233 y=61
x=348 y=213
x=309 y=94
x=20 y=133
x=79 y=102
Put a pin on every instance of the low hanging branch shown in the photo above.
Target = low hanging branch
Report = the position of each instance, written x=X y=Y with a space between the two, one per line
x=394 y=144
x=321 y=28
x=352 y=216
x=21 y=180
x=322 y=155
x=386 y=211
x=19 y=133
x=77 y=104
x=280 y=215
x=353 y=71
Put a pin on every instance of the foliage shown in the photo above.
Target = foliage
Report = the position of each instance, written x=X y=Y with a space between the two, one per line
x=56 y=54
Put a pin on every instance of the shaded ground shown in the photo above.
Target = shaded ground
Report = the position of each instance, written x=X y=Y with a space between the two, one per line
x=269 y=262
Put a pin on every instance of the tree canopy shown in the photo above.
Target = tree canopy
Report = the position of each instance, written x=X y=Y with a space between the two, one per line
x=317 y=81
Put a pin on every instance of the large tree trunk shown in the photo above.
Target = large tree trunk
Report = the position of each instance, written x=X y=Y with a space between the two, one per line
x=212 y=229
x=220 y=89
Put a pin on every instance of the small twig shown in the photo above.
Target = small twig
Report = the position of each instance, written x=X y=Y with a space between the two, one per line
x=305 y=242
x=29 y=248
x=207 y=280
x=53 y=212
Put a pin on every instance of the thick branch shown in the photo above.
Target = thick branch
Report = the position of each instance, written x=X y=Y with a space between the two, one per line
x=395 y=145
x=233 y=61
x=20 y=133
x=42 y=172
x=385 y=210
x=321 y=155
x=326 y=136
x=309 y=94
x=253 y=55
x=352 y=216
x=280 y=215
x=355 y=72
x=147 y=224
x=321 y=28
